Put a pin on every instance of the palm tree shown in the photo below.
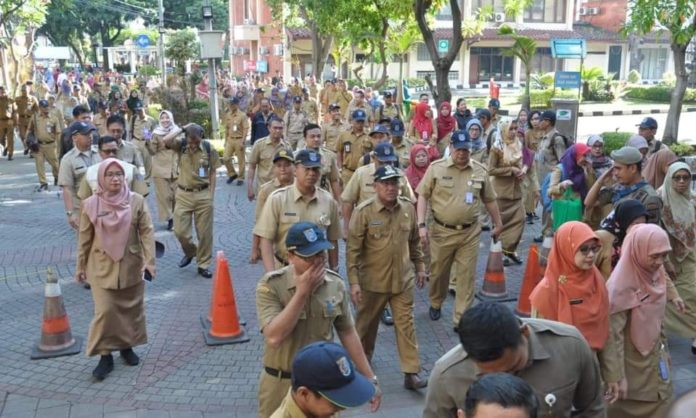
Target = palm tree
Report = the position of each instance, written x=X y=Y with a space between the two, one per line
x=524 y=48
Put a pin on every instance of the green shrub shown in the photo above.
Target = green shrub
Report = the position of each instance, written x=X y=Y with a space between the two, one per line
x=615 y=140
x=153 y=110
x=682 y=149
x=669 y=79
x=634 y=77
x=148 y=70
x=218 y=145
x=657 y=94
x=542 y=98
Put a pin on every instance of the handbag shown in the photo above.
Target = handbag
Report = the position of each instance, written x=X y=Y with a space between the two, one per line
x=565 y=209
x=31 y=141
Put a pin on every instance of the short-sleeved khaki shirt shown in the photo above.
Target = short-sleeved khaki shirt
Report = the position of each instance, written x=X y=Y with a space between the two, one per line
x=47 y=128
x=236 y=125
x=330 y=132
x=352 y=147
x=329 y=169
x=194 y=167
x=165 y=161
x=286 y=207
x=73 y=167
x=99 y=122
x=7 y=108
x=455 y=193
x=140 y=126
x=128 y=152
x=262 y=155
x=328 y=308
x=262 y=196
x=403 y=151
x=361 y=186
x=26 y=106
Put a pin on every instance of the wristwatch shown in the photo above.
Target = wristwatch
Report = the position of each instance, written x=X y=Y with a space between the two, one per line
x=69 y=213
x=375 y=381
x=421 y=225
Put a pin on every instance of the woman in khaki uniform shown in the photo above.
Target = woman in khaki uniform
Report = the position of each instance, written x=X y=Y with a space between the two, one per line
x=532 y=138
x=116 y=250
x=635 y=362
x=165 y=166
x=506 y=168
x=679 y=220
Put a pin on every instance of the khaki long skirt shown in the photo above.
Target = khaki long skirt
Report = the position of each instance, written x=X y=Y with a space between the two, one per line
x=512 y=215
x=683 y=324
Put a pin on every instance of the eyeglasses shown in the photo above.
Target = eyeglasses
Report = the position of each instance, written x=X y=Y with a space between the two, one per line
x=110 y=174
x=586 y=249
x=681 y=178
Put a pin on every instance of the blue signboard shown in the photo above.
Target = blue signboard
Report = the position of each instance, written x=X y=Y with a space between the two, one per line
x=262 y=66
x=568 y=48
x=567 y=80
x=142 y=41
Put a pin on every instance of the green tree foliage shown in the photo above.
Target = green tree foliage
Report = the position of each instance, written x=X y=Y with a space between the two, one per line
x=180 y=15
x=181 y=45
x=19 y=17
x=523 y=48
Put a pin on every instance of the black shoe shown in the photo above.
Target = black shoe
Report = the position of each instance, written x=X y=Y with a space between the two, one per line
x=387 y=317
x=55 y=181
x=240 y=182
x=170 y=224
x=231 y=179
x=456 y=330
x=540 y=238
x=26 y=151
x=530 y=219
x=4 y=152
x=413 y=382
x=43 y=187
x=486 y=228
x=105 y=366
x=9 y=158
x=185 y=261
x=435 y=313
x=86 y=286
x=535 y=215
x=693 y=350
x=515 y=258
x=129 y=357
x=452 y=292
x=205 y=273
x=507 y=263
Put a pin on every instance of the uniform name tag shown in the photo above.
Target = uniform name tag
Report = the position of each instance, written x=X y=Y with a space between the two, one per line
x=346 y=147
x=376 y=223
x=447 y=177
x=201 y=172
x=234 y=128
x=290 y=214
x=469 y=198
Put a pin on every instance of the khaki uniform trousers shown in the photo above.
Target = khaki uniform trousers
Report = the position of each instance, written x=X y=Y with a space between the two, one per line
x=235 y=147
x=530 y=184
x=448 y=248
x=272 y=390
x=294 y=139
x=346 y=174
x=23 y=127
x=46 y=153
x=7 y=135
x=165 y=191
x=198 y=207
x=147 y=158
x=367 y=323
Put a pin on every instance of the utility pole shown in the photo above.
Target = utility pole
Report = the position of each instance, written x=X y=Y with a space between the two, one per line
x=163 y=68
x=212 y=74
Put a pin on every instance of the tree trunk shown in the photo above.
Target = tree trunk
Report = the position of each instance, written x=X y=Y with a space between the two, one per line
x=527 y=99
x=671 y=133
x=635 y=57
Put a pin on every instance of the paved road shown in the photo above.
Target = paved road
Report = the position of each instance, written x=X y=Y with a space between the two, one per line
x=179 y=376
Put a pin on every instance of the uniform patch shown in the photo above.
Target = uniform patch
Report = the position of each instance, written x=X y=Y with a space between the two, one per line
x=344 y=366
x=290 y=214
x=376 y=223
x=310 y=234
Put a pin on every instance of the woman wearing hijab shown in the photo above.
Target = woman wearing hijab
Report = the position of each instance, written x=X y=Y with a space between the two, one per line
x=656 y=166
x=635 y=362
x=679 y=220
x=446 y=124
x=423 y=127
x=570 y=175
x=475 y=130
x=165 y=166
x=613 y=230
x=507 y=170
x=532 y=138
x=573 y=290
x=116 y=248
x=418 y=165
x=637 y=141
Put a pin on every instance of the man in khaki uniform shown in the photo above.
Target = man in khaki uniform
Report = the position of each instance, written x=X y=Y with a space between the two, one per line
x=261 y=158
x=303 y=201
x=332 y=129
x=127 y=151
x=295 y=121
x=553 y=358
x=47 y=130
x=352 y=145
x=26 y=105
x=300 y=304
x=309 y=106
x=383 y=244
x=402 y=146
x=283 y=176
x=389 y=109
x=330 y=178
x=359 y=103
x=236 y=130
x=194 y=197
x=7 y=112
x=99 y=120
x=327 y=96
x=342 y=97
x=143 y=125
x=455 y=187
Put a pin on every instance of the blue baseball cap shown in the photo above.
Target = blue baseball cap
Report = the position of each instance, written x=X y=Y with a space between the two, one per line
x=359 y=115
x=494 y=103
x=234 y=100
x=397 y=127
x=306 y=239
x=326 y=368
x=79 y=127
x=384 y=151
x=379 y=129
x=308 y=158
x=648 y=123
x=461 y=140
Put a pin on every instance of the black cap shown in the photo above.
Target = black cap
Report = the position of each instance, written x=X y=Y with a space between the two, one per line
x=43 y=103
x=139 y=105
x=379 y=129
x=334 y=106
x=103 y=104
x=397 y=127
x=308 y=158
x=549 y=115
x=387 y=172
x=196 y=130
x=306 y=239
x=484 y=113
x=648 y=123
x=79 y=127
x=387 y=94
x=234 y=100
x=284 y=154
x=461 y=140
x=359 y=115
x=297 y=99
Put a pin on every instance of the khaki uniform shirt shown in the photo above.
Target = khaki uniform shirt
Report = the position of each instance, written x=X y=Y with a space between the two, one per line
x=289 y=409
x=286 y=207
x=262 y=154
x=560 y=363
x=128 y=152
x=310 y=108
x=551 y=149
x=7 y=108
x=327 y=308
x=506 y=185
x=330 y=132
x=59 y=116
x=392 y=112
x=352 y=147
x=165 y=161
x=455 y=194
x=236 y=125
x=194 y=167
x=140 y=126
x=73 y=167
x=403 y=151
x=99 y=121
x=383 y=245
x=262 y=196
x=329 y=169
x=26 y=106
x=343 y=99
x=361 y=186
x=47 y=129
x=645 y=195
x=295 y=121
x=352 y=107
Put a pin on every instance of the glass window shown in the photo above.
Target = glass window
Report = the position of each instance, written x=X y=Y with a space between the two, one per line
x=491 y=63
x=497 y=5
x=445 y=13
x=452 y=76
x=654 y=63
x=547 y=11
x=542 y=62
x=422 y=53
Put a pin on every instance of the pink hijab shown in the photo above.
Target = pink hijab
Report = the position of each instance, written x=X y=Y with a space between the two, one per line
x=633 y=287
x=110 y=214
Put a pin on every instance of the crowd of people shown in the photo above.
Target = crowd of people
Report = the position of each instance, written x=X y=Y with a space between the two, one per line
x=410 y=190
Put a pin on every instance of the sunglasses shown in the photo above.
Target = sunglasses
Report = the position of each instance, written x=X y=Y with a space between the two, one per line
x=681 y=178
x=586 y=249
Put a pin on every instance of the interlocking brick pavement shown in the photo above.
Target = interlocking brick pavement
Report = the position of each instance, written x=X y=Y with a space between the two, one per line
x=179 y=376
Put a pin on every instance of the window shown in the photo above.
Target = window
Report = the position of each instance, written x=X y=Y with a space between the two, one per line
x=542 y=62
x=452 y=76
x=498 y=5
x=445 y=13
x=491 y=63
x=547 y=11
x=422 y=53
x=654 y=63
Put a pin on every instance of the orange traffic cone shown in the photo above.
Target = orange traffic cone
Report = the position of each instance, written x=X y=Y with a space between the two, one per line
x=493 y=288
x=544 y=255
x=207 y=318
x=529 y=282
x=56 y=338
x=224 y=327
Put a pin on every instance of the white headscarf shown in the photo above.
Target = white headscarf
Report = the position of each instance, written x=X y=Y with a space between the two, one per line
x=161 y=130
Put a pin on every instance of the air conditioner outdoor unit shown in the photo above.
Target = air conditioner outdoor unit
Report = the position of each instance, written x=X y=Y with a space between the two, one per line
x=263 y=50
x=245 y=51
x=593 y=11
x=249 y=22
x=583 y=11
x=278 y=50
x=499 y=17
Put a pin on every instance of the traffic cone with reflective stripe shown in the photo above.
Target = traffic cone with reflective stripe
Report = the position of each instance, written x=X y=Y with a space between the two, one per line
x=529 y=282
x=56 y=338
x=224 y=327
x=494 y=288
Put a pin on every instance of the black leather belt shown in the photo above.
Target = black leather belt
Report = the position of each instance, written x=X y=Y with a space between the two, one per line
x=193 y=189
x=456 y=227
x=25 y=116
x=280 y=259
x=278 y=373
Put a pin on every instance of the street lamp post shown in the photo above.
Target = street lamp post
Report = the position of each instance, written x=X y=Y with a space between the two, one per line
x=211 y=48
x=95 y=51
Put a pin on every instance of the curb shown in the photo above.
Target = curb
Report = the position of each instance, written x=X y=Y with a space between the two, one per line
x=630 y=112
